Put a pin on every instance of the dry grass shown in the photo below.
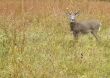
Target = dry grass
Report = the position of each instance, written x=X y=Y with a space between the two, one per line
x=36 y=42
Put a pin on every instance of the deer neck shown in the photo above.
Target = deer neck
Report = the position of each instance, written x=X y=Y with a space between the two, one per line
x=73 y=23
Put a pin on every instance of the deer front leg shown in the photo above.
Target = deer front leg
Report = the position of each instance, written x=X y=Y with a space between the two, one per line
x=75 y=36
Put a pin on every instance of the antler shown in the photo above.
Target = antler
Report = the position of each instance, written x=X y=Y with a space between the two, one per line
x=77 y=12
x=67 y=11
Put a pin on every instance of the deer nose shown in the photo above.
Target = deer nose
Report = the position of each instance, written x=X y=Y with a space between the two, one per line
x=72 y=20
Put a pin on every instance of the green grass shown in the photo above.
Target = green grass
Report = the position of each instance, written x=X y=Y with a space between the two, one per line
x=45 y=48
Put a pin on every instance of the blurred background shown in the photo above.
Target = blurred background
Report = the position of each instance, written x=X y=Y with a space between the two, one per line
x=36 y=42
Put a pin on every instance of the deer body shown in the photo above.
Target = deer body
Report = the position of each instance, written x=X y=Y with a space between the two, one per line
x=85 y=27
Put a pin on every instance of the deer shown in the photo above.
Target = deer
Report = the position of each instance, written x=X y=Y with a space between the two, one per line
x=87 y=26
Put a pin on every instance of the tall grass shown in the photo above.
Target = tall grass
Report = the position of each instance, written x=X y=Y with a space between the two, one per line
x=36 y=42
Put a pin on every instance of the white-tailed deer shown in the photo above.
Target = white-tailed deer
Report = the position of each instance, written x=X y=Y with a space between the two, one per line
x=84 y=27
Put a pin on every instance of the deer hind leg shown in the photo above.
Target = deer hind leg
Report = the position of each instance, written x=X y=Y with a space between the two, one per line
x=95 y=35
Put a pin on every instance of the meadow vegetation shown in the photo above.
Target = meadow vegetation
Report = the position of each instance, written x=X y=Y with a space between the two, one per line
x=36 y=42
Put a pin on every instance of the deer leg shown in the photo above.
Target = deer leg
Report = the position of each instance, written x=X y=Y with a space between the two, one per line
x=75 y=36
x=95 y=35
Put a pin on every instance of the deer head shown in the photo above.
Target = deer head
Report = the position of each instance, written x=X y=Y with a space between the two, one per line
x=72 y=16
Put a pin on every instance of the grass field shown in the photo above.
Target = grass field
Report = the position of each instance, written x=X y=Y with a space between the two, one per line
x=36 y=42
